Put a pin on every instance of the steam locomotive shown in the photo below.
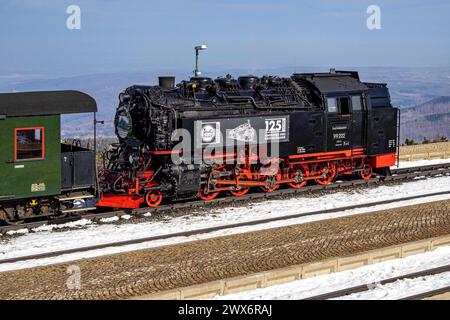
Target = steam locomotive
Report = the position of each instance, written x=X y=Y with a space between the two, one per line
x=197 y=139
x=203 y=137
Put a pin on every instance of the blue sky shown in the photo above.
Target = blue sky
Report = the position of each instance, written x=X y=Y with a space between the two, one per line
x=119 y=35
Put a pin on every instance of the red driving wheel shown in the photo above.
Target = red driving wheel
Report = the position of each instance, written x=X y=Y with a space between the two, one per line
x=242 y=190
x=274 y=179
x=153 y=198
x=327 y=170
x=294 y=172
x=207 y=196
x=366 y=172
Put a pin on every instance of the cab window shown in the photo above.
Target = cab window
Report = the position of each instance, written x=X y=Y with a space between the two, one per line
x=332 y=105
x=357 y=103
x=29 y=143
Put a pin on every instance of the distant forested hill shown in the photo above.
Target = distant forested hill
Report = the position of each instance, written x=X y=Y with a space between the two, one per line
x=426 y=120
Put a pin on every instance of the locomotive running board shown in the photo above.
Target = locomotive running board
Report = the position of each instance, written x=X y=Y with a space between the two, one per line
x=79 y=197
x=78 y=210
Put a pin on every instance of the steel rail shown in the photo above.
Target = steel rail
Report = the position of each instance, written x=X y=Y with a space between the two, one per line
x=368 y=286
x=427 y=294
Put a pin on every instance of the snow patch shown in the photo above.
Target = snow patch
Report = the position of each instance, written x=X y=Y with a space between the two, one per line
x=410 y=164
x=371 y=275
x=74 y=224
x=17 y=232
x=402 y=288
x=79 y=204
x=109 y=220
x=125 y=217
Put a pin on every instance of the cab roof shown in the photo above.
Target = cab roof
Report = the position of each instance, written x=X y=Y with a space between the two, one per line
x=334 y=82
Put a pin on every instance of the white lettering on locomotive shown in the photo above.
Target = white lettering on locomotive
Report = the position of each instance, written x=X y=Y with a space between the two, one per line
x=275 y=129
x=392 y=143
x=339 y=135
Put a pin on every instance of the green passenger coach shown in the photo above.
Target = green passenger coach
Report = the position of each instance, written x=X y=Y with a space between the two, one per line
x=39 y=175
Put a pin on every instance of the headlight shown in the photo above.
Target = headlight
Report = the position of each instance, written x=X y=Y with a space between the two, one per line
x=123 y=123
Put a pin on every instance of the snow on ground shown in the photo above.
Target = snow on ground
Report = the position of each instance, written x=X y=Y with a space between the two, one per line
x=109 y=220
x=409 y=164
x=74 y=224
x=403 y=288
x=370 y=275
x=93 y=234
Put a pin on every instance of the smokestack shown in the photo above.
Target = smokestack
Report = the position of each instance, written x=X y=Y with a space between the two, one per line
x=167 y=82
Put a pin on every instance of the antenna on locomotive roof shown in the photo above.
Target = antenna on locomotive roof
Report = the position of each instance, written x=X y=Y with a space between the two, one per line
x=197 y=49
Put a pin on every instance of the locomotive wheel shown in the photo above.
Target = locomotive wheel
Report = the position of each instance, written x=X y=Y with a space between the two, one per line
x=207 y=197
x=269 y=190
x=297 y=172
x=242 y=191
x=7 y=218
x=9 y=222
x=13 y=223
x=366 y=172
x=211 y=183
x=327 y=170
x=153 y=198
x=271 y=185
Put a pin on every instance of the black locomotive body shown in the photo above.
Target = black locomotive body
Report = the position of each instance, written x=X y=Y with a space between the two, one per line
x=203 y=136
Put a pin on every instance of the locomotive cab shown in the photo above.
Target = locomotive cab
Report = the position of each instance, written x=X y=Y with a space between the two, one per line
x=383 y=126
x=359 y=116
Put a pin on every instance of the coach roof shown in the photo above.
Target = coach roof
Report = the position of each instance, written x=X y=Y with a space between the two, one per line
x=45 y=103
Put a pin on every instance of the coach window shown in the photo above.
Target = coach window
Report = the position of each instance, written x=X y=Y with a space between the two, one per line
x=356 y=103
x=29 y=143
x=332 y=105
x=344 y=104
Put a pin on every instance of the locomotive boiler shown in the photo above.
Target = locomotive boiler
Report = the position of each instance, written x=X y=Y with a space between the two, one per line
x=204 y=137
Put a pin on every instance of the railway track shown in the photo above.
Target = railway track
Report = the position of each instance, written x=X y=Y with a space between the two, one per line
x=149 y=270
x=428 y=294
x=368 y=286
x=211 y=229
x=397 y=175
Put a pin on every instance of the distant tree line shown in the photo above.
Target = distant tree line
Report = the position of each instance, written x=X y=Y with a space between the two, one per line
x=102 y=143
x=439 y=138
